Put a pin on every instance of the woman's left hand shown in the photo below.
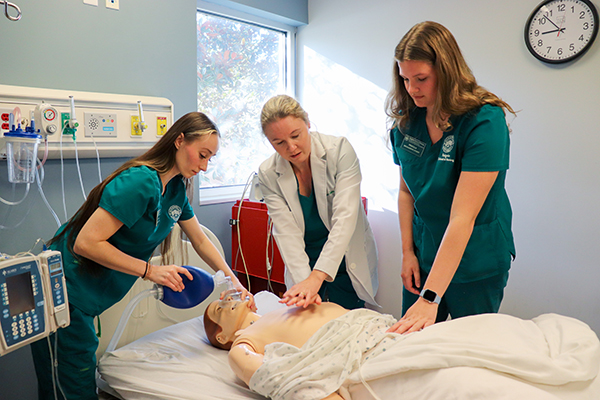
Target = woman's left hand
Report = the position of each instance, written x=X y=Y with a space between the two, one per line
x=419 y=316
x=306 y=292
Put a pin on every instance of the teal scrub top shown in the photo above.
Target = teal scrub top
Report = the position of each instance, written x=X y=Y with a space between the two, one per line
x=315 y=231
x=135 y=198
x=478 y=141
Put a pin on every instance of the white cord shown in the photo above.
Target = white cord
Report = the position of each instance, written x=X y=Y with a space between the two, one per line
x=268 y=262
x=62 y=174
x=97 y=158
x=79 y=170
x=15 y=203
x=237 y=226
x=39 y=185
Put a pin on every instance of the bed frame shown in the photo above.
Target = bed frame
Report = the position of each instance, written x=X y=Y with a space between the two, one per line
x=151 y=315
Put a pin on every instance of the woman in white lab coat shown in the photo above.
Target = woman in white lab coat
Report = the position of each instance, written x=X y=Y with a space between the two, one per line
x=311 y=186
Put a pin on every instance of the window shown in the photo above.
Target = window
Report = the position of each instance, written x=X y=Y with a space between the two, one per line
x=240 y=66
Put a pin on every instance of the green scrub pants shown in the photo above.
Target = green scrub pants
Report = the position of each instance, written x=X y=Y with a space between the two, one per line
x=77 y=344
x=463 y=299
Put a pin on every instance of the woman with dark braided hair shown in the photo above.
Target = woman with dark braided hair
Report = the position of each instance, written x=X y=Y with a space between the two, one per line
x=108 y=243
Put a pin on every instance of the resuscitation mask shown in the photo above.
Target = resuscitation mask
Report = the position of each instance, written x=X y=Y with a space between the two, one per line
x=194 y=293
x=198 y=289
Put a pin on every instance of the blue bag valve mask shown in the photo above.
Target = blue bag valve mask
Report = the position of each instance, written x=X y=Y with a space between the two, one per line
x=195 y=291
x=198 y=289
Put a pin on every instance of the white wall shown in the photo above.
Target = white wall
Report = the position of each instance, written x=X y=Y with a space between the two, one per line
x=552 y=181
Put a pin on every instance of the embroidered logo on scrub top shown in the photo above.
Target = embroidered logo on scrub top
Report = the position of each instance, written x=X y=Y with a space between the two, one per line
x=447 y=147
x=174 y=212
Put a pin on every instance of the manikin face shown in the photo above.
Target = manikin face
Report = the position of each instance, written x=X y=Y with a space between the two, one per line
x=192 y=157
x=229 y=315
x=420 y=81
x=290 y=138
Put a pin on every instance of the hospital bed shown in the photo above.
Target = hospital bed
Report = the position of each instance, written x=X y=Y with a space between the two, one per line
x=177 y=362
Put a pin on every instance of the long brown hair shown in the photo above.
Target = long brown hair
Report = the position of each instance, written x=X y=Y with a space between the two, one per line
x=160 y=157
x=457 y=91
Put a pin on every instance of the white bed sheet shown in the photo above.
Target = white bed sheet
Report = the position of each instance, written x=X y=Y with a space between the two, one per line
x=178 y=363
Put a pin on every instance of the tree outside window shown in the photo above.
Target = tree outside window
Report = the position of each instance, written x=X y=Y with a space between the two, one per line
x=240 y=66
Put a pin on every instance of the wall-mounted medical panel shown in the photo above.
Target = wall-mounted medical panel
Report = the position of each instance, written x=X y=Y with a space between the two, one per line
x=104 y=120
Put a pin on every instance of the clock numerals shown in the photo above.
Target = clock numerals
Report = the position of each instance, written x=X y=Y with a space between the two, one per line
x=561 y=30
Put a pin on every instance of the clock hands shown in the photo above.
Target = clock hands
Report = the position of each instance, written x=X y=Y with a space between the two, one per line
x=555 y=30
x=558 y=28
x=552 y=22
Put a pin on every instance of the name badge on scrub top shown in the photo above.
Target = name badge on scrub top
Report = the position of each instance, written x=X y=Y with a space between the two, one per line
x=413 y=146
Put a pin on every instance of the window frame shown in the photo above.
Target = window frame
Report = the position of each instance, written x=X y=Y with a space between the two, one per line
x=230 y=193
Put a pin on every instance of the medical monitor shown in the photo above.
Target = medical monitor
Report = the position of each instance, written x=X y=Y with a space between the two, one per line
x=33 y=299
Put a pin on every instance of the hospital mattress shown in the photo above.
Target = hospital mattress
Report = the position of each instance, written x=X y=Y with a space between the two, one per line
x=177 y=362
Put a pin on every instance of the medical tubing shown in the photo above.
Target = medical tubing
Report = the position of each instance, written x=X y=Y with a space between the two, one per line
x=56 y=367
x=39 y=185
x=155 y=291
x=53 y=371
x=4 y=227
x=79 y=171
x=237 y=226
x=16 y=203
x=97 y=158
x=40 y=163
x=62 y=174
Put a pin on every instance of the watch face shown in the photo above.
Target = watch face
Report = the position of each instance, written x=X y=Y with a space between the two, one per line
x=561 y=30
x=429 y=295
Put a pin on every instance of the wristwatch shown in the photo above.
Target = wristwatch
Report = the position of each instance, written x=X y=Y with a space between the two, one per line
x=430 y=296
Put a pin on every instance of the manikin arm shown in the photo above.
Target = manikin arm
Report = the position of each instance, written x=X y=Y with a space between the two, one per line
x=244 y=362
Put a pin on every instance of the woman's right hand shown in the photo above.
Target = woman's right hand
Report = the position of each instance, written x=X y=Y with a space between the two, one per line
x=306 y=292
x=411 y=275
x=169 y=276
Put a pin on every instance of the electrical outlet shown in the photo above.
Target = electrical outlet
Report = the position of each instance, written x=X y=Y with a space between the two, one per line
x=114 y=4
x=4 y=117
x=161 y=126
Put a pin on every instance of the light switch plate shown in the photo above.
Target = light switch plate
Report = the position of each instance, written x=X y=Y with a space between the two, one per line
x=91 y=2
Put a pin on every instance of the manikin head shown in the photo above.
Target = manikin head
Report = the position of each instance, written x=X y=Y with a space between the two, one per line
x=224 y=319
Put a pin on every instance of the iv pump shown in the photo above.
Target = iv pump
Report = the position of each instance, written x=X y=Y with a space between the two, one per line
x=33 y=299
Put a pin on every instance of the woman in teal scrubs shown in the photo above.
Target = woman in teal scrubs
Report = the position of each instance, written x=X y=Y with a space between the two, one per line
x=311 y=186
x=451 y=140
x=107 y=245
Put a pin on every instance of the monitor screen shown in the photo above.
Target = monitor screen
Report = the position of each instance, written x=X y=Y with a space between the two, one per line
x=55 y=268
x=20 y=293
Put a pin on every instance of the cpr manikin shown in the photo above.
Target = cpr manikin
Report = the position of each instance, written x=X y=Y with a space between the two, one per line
x=246 y=333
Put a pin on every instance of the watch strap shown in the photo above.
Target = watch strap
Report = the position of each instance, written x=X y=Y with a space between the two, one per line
x=430 y=296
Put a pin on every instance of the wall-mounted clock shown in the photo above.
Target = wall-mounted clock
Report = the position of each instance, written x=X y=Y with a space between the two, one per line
x=559 y=31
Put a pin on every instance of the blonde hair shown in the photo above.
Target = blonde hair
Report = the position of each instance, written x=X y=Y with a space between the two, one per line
x=457 y=88
x=280 y=107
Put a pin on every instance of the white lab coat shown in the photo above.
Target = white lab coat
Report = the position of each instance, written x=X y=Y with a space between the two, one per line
x=336 y=184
